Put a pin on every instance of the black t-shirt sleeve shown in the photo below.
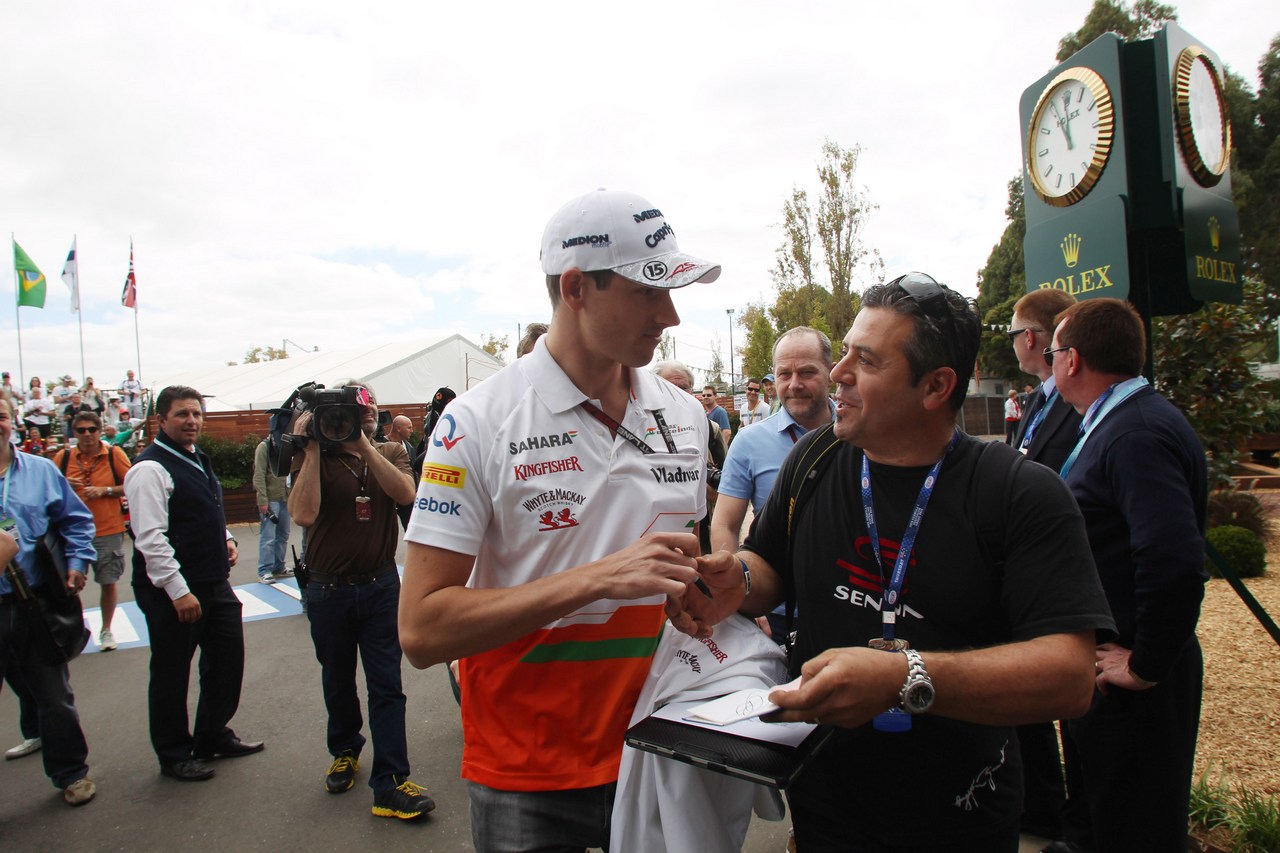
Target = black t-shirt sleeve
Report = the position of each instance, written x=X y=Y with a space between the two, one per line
x=1050 y=583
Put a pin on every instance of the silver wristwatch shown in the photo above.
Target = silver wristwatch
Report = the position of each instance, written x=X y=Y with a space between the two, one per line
x=916 y=695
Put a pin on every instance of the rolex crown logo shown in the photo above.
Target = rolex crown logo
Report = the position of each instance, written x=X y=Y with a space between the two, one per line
x=1215 y=233
x=1071 y=249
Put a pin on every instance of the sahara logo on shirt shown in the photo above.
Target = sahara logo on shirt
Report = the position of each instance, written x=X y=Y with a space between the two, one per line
x=444 y=475
x=445 y=433
x=542 y=442
x=551 y=466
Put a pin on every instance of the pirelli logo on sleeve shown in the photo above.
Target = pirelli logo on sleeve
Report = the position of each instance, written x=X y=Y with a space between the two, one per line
x=444 y=475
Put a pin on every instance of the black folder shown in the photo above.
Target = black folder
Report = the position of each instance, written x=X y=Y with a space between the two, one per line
x=720 y=750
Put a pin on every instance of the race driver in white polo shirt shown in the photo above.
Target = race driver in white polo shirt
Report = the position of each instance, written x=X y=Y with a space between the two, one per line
x=557 y=512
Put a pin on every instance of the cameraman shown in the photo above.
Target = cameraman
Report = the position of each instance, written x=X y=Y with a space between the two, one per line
x=346 y=496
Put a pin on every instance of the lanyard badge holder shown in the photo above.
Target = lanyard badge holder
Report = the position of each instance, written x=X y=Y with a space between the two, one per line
x=896 y=719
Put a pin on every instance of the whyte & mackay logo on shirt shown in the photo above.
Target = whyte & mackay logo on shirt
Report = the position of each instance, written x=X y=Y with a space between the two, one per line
x=545 y=503
x=551 y=466
x=541 y=442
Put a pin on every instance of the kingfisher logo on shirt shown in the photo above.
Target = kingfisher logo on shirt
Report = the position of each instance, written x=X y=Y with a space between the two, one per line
x=551 y=466
x=444 y=475
x=541 y=442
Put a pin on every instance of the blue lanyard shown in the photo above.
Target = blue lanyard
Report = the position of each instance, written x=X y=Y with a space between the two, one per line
x=1038 y=419
x=8 y=478
x=888 y=607
x=1108 y=400
x=192 y=462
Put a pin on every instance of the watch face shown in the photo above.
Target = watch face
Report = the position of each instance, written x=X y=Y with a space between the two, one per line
x=1201 y=116
x=919 y=697
x=1070 y=136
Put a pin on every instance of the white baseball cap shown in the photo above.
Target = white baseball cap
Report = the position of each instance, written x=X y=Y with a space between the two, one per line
x=620 y=231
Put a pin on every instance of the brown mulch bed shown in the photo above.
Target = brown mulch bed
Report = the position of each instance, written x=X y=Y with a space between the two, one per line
x=1240 y=718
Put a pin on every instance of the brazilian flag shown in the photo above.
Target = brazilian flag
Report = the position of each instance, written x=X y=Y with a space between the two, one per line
x=31 y=283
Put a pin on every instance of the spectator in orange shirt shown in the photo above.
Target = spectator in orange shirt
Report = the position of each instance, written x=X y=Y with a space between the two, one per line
x=96 y=471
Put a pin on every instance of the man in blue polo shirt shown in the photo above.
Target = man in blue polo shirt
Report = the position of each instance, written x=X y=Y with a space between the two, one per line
x=802 y=366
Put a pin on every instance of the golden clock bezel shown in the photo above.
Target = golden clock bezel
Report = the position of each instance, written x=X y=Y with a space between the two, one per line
x=1106 y=134
x=1207 y=175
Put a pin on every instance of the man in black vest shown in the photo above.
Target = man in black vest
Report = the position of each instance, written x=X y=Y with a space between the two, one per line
x=183 y=554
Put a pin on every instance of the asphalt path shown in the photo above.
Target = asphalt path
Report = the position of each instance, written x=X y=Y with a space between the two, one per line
x=274 y=800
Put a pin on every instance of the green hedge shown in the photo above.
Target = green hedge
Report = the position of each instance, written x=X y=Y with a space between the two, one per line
x=232 y=460
x=1242 y=550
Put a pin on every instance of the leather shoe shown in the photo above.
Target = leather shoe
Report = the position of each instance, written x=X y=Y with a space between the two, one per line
x=191 y=770
x=231 y=748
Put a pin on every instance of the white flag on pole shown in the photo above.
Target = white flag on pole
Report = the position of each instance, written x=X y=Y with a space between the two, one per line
x=71 y=277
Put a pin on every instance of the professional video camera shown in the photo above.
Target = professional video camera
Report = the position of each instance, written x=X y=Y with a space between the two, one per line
x=336 y=416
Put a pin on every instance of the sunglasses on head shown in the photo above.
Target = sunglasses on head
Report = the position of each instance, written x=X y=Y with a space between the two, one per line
x=923 y=288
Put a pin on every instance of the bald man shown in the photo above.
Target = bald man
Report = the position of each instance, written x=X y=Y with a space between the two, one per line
x=399 y=431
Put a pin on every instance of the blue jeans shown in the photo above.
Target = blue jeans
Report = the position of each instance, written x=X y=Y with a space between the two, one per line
x=344 y=620
x=273 y=539
x=543 y=821
x=65 y=751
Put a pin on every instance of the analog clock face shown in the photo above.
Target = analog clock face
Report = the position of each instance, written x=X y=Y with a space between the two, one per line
x=1070 y=136
x=1200 y=109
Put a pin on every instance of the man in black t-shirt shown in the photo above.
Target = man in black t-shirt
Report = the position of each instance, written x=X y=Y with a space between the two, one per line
x=997 y=597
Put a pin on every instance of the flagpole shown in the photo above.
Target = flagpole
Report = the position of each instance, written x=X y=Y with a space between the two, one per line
x=17 y=314
x=75 y=298
x=137 y=341
x=137 y=347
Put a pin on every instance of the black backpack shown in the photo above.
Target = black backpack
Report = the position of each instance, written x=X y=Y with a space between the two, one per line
x=991 y=483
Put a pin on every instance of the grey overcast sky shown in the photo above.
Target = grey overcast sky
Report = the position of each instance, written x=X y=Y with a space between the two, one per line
x=334 y=173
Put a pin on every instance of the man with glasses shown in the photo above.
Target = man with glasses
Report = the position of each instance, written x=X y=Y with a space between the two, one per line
x=716 y=412
x=96 y=470
x=757 y=409
x=559 y=515
x=1046 y=434
x=1138 y=473
x=802 y=363
x=1049 y=423
x=946 y=588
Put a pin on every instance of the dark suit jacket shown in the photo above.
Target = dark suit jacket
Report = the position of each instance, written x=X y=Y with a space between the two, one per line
x=1055 y=438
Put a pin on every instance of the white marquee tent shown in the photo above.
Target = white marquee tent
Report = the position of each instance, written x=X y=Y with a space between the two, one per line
x=400 y=372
